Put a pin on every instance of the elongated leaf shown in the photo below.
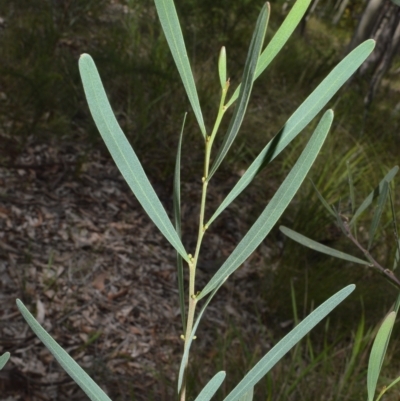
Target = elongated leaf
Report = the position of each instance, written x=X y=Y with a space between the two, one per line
x=122 y=152
x=276 y=206
x=316 y=246
x=369 y=199
x=177 y=219
x=185 y=355
x=378 y=353
x=84 y=381
x=278 y=41
x=378 y=213
x=173 y=33
x=245 y=91
x=323 y=201
x=286 y=344
x=248 y=396
x=351 y=187
x=396 y=231
x=300 y=118
x=222 y=67
x=211 y=387
x=4 y=359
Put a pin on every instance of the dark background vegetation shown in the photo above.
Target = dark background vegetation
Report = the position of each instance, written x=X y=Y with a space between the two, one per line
x=42 y=101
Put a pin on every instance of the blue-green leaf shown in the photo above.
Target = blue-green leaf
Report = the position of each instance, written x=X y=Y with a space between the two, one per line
x=177 y=219
x=211 y=387
x=286 y=344
x=378 y=352
x=173 y=33
x=323 y=201
x=300 y=118
x=123 y=154
x=248 y=396
x=84 y=381
x=369 y=199
x=316 y=246
x=278 y=41
x=222 y=67
x=378 y=213
x=4 y=359
x=245 y=91
x=276 y=206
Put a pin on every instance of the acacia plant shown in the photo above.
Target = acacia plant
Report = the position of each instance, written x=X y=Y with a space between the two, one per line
x=193 y=300
x=348 y=221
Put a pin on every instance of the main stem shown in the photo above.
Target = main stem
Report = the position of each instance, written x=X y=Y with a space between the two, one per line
x=202 y=228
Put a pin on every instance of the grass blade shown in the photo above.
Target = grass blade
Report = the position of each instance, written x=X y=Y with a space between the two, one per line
x=4 y=359
x=211 y=387
x=84 y=381
x=369 y=199
x=316 y=246
x=177 y=219
x=378 y=213
x=300 y=118
x=354 y=358
x=276 y=206
x=247 y=85
x=123 y=154
x=286 y=344
x=378 y=352
x=222 y=67
x=396 y=232
x=323 y=201
x=173 y=33
x=278 y=41
x=351 y=187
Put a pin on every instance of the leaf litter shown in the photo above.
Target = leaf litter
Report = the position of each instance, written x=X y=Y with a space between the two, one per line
x=78 y=250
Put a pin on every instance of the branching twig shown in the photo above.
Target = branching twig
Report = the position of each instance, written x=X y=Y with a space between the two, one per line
x=389 y=274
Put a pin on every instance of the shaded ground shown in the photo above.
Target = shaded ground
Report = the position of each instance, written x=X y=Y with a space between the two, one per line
x=77 y=248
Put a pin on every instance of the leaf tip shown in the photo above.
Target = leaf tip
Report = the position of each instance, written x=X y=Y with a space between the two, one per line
x=85 y=58
x=351 y=287
x=371 y=42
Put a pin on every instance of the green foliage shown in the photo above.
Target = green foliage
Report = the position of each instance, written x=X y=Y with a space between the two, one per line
x=93 y=391
x=123 y=154
x=172 y=30
x=3 y=359
x=129 y=165
x=348 y=226
x=378 y=352
x=37 y=60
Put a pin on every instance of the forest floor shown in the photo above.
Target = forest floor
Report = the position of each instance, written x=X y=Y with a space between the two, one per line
x=77 y=248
